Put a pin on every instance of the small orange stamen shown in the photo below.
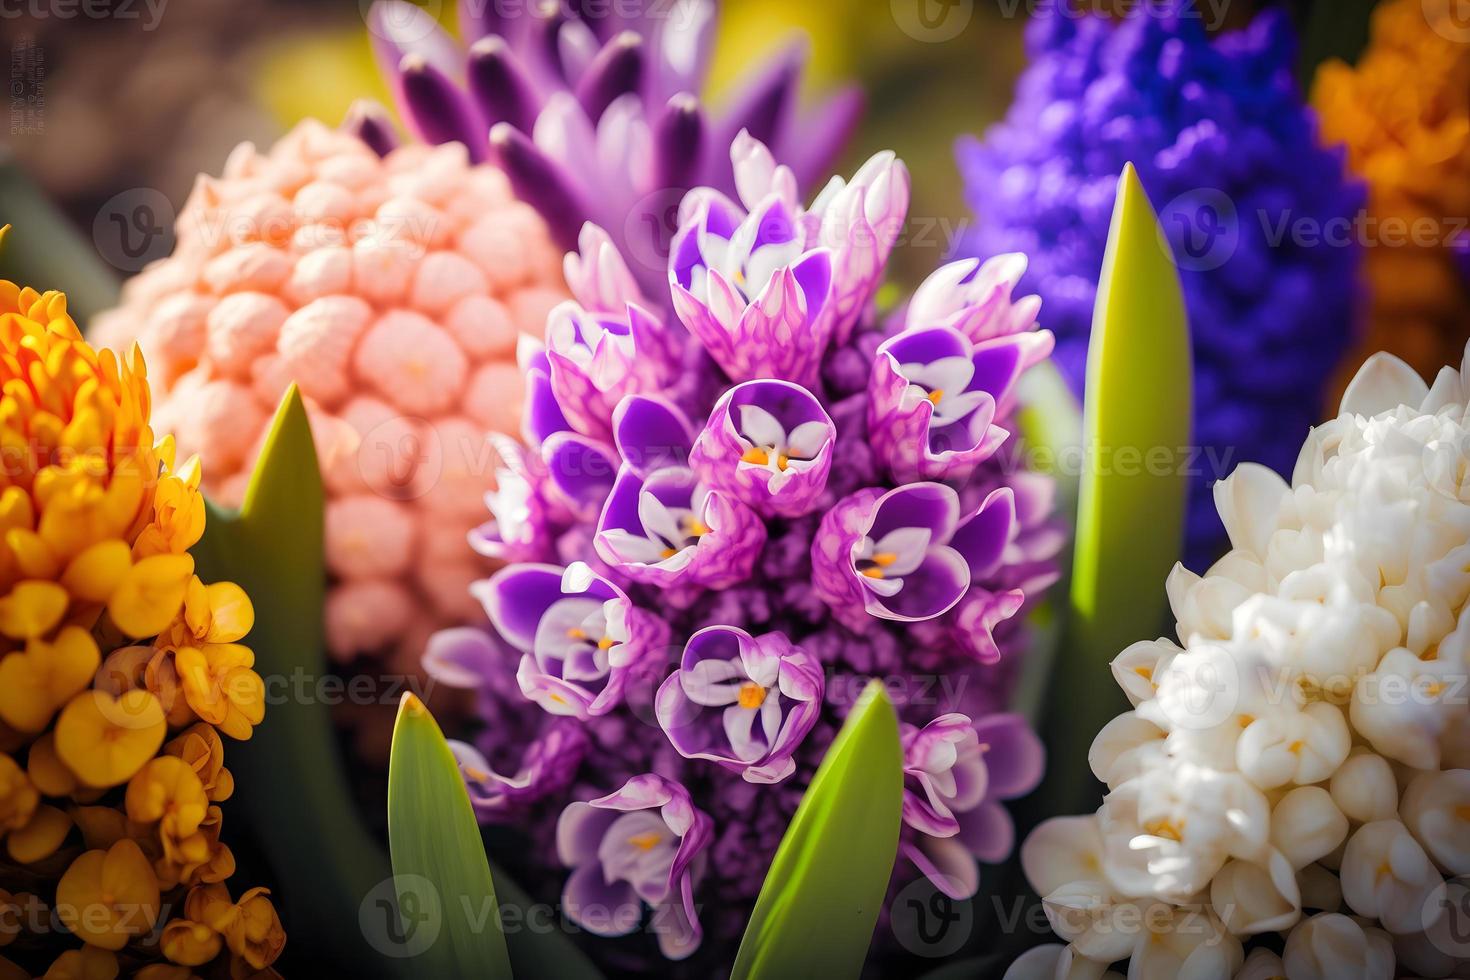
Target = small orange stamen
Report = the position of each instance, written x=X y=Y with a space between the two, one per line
x=1165 y=828
x=935 y=395
x=755 y=455
x=752 y=695
x=645 y=842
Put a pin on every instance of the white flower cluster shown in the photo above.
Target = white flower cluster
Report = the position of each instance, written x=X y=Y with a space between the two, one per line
x=1297 y=767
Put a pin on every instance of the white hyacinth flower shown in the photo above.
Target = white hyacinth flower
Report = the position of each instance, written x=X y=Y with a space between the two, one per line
x=1297 y=762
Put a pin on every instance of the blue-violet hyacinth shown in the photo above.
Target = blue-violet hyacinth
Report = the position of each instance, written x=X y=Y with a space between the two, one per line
x=593 y=110
x=727 y=516
x=1257 y=213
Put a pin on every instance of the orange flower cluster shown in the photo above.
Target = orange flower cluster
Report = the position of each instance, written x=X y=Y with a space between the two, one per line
x=1404 y=114
x=120 y=671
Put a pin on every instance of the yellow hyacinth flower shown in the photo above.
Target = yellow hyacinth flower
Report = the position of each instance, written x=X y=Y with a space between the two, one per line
x=109 y=897
x=87 y=963
x=122 y=672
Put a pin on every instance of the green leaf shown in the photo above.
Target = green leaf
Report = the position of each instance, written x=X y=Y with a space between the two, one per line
x=820 y=900
x=332 y=874
x=1130 y=515
x=45 y=250
x=293 y=787
x=438 y=858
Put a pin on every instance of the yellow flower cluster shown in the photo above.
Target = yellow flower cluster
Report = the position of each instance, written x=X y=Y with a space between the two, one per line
x=119 y=672
x=1403 y=113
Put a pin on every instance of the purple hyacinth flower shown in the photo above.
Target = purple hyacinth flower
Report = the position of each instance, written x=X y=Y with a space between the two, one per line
x=644 y=844
x=972 y=623
x=742 y=701
x=1210 y=119
x=594 y=114
x=596 y=360
x=859 y=220
x=542 y=762
x=597 y=275
x=934 y=401
x=956 y=772
x=750 y=291
x=579 y=634
x=668 y=529
x=546 y=767
x=581 y=471
x=522 y=512
x=905 y=554
x=978 y=299
x=652 y=433
x=769 y=445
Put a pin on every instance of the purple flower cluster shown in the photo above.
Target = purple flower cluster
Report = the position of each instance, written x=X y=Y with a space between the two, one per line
x=737 y=502
x=592 y=110
x=1230 y=156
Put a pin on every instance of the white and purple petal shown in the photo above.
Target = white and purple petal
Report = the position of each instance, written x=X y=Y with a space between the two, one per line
x=651 y=433
x=769 y=445
x=669 y=530
x=869 y=553
x=579 y=634
x=546 y=767
x=581 y=470
x=934 y=402
x=744 y=702
x=976 y=299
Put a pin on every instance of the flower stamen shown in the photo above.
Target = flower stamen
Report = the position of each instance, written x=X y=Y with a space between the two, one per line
x=752 y=695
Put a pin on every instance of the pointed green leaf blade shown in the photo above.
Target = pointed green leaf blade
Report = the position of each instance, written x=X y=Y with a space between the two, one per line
x=820 y=900
x=330 y=869
x=294 y=788
x=1131 y=498
x=438 y=859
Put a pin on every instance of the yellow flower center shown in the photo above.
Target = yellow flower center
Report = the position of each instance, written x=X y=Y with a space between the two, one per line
x=752 y=695
x=1165 y=828
x=936 y=395
x=879 y=561
x=645 y=842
